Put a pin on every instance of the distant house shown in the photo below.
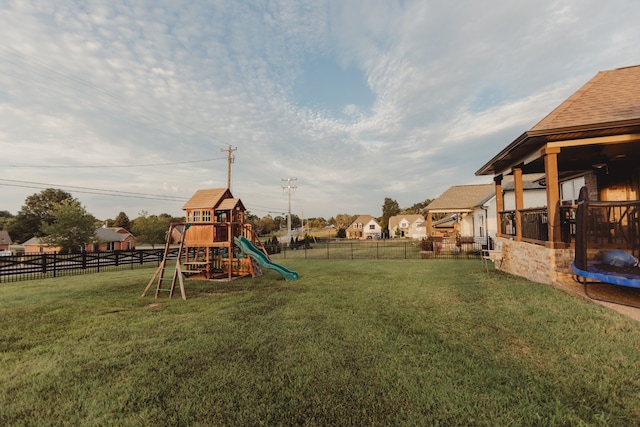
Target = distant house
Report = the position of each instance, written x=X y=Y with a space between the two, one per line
x=471 y=209
x=412 y=226
x=5 y=240
x=112 y=239
x=364 y=227
x=35 y=245
x=108 y=239
x=467 y=206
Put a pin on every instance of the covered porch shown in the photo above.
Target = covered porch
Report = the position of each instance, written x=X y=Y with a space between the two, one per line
x=591 y=140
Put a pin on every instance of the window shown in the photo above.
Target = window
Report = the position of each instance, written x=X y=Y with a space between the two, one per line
x=570 y=190
x=404 y=224
x=111 y=246
x=372 y=226
x=206 y=216
x=196 y=216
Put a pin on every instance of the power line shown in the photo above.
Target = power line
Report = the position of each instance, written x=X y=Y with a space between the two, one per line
x=88 y=190
x=111 y=166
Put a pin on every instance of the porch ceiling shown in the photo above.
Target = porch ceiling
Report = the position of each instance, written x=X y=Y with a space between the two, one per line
x=593 y=148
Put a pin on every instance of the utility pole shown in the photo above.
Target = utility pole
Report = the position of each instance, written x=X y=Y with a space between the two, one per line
x=230 y=160
x=289 y=187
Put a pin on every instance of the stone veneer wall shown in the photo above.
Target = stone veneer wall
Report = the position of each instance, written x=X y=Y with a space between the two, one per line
x=535 y=262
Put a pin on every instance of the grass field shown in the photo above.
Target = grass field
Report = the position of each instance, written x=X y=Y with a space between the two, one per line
x=365 y=342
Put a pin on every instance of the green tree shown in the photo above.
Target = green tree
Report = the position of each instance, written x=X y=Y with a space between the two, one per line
x=151 y=229
x=265 y=226
x=416 y=209
x=5 y=216
x=389 y=209
x=342 y=220
x=71 y=227
x=122 y=220
x=36 y=211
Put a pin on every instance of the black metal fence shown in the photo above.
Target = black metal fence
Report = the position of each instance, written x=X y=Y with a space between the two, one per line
x=383 y=249
x=39 y=266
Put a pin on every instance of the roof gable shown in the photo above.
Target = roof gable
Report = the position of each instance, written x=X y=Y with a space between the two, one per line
x=207 y=198
x=611 y=96
x=411 y=220
x=607 y=105
x=230 y=204
x=364 y=220
x=112 y=234
x=462 y=197
x=5 y=239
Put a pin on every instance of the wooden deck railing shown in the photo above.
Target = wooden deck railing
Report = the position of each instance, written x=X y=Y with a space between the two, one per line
x=535 y=224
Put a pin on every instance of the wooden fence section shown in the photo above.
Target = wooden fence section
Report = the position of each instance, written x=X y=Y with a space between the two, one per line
x=40 y=266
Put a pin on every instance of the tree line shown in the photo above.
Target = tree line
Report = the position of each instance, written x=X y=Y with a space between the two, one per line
x=59 y=219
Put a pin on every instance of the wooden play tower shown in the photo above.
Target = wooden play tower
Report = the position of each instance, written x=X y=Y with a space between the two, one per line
x=206 y=241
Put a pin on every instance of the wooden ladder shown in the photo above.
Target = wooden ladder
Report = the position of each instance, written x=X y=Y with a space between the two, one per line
x=162 y=268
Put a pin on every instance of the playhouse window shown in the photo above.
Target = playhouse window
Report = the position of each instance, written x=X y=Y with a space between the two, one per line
x=206 y=216
x=196 y=216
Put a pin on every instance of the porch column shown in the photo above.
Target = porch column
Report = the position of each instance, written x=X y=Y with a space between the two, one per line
x=519 y=196
x=429 y=224
x=499 y=204
x=553 y=196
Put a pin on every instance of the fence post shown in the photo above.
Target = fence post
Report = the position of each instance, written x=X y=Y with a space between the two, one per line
x=351 y=243
x=377 y=250
x=44 y=263
x=405 y=249
x=84 y=260
x=327 y=250
x=98 y=259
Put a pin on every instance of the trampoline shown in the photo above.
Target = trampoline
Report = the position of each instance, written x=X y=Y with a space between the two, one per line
x=607 y=247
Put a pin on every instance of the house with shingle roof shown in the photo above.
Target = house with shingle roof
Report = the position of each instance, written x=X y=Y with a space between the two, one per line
x=5 y=240
x=106 y=239
x=592 y=139
x=470 y=210
x=412 y=226
x=468 y=204
x=112 y=239
x=364 y=227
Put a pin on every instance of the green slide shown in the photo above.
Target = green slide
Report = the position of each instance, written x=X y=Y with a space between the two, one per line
x=249 y=249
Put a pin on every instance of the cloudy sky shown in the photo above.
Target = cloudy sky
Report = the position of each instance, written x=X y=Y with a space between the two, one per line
x=129 y=104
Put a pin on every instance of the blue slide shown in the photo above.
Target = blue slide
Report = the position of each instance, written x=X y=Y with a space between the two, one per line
x=249 y=249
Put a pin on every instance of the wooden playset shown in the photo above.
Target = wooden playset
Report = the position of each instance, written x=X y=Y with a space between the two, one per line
x=206 y=247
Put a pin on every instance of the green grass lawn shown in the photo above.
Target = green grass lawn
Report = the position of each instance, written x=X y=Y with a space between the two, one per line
x=390 y=342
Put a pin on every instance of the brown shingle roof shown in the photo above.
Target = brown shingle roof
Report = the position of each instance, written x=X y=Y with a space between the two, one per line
x=610 y=96
x=462 y=197
x=608 y=104
x=362 y=219
x=229 y=204
x=207 y=199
